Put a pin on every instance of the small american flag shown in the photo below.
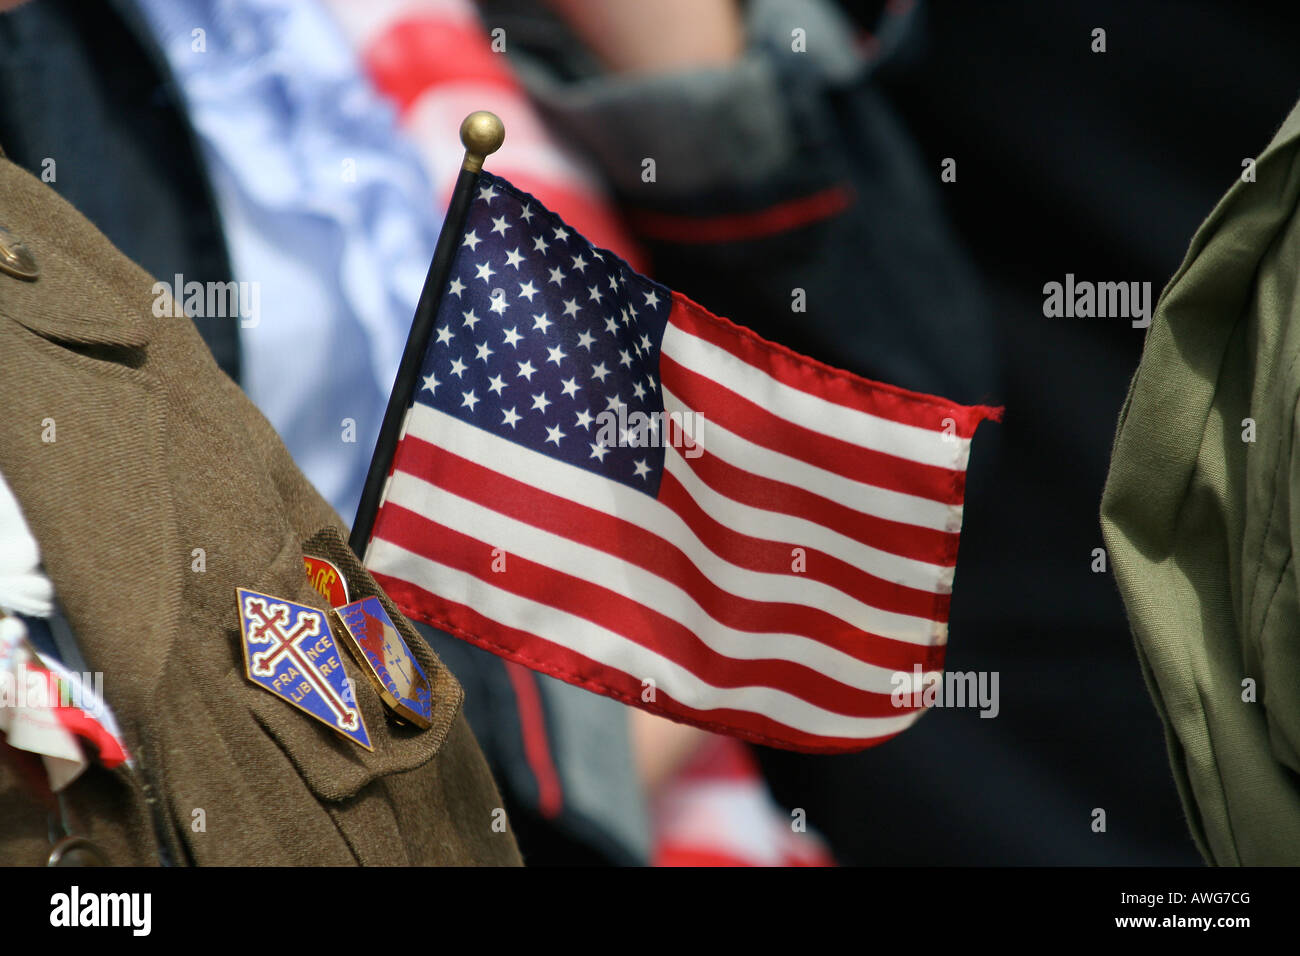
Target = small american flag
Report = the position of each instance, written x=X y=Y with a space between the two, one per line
x=602 y=481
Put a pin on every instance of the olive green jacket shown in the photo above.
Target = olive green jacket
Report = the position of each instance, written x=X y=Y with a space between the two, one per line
x=156 y=454
x=1201 y=514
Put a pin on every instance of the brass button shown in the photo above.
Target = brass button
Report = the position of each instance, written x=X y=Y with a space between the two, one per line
x=76 y=851
x=15 y=258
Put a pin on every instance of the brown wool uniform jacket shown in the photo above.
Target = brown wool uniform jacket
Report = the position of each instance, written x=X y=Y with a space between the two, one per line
x=156 y=453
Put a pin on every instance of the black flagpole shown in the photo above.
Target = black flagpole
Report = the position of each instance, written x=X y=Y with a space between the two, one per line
x=482 y=133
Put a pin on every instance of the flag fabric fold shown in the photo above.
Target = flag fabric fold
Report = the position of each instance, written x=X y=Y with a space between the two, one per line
x=602 y=481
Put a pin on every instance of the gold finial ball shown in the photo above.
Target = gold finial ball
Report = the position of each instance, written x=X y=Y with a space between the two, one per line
x=482 y=133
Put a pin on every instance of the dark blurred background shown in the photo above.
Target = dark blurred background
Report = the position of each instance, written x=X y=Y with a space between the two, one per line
x=1069 y=161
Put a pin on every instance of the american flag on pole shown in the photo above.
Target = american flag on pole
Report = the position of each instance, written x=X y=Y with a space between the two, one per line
x=602 y=481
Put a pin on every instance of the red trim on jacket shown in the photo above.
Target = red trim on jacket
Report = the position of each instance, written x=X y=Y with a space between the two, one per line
x=537 y=749
x=782 y=217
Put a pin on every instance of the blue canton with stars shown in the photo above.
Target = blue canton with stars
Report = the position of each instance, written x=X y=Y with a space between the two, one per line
x=539 y=333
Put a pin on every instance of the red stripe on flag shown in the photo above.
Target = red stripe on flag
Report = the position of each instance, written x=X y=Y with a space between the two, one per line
x=824 y=381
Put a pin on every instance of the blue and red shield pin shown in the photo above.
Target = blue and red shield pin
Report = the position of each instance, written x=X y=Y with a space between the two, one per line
x=289 y=650
x=379 y=648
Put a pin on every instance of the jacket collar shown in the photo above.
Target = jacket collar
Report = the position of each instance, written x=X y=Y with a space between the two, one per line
x=82 y=296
